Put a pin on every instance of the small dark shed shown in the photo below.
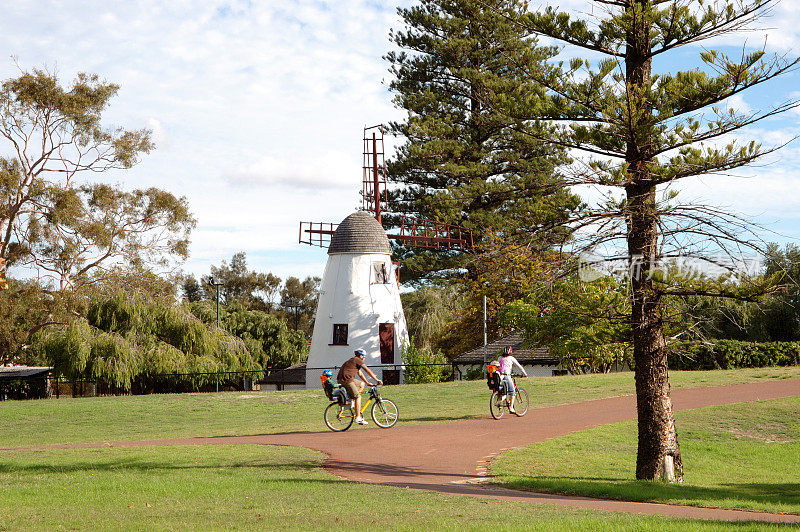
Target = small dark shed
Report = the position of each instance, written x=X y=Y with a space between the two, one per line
x=291 y=378
x=24 y=382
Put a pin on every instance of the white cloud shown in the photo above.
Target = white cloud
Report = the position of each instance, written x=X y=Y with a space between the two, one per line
x=256 y=107
x=738 y=104
x=328 y=170
x=159 y=134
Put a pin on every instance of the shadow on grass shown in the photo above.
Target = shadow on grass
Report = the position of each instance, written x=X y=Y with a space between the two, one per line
x=767 y=496
x=390 y=470
x=141 y=465
x=402 y=421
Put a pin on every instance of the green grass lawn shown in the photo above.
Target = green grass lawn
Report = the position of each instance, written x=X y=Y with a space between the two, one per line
x=255 y=488
x=745 y=455
x=99 y=419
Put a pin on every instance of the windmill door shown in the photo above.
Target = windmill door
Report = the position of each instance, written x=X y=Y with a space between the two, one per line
x=386 y=334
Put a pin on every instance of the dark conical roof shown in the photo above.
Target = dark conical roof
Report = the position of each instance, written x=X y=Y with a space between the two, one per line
x=359 y=233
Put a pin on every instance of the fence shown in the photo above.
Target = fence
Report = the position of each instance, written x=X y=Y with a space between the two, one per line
x=188 y=382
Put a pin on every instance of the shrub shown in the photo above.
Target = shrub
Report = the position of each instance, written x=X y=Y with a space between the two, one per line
x=474 y=373
x=729 y=354
x=422 y=365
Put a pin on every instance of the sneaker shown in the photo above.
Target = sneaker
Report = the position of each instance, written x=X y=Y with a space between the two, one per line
x=511 y=409
x=361 y=421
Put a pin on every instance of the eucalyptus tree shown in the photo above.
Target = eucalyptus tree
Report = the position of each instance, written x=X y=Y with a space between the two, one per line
x=236 y=282
x=637 y=130
x=299 y=302
x=52 y=218
x=463 y=162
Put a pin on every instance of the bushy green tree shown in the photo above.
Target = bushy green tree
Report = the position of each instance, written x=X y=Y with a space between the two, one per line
x=773 y=318
x=133 y=338
x=781 y=311
x=299 y=302
x=430 y=311
x=252 y=289
x=584 y=324
x=424 y=365
x=268 y=338
x=26 y=308
x=191 y=289
x=503 y=272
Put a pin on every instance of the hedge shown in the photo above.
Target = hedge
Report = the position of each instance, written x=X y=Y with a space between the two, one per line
x=729 y=354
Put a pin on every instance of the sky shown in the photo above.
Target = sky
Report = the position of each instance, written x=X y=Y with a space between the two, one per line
x=257 y=110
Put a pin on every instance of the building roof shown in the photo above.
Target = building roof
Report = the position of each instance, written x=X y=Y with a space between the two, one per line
x=538 y=356
x=21 y=372
x=359 y=233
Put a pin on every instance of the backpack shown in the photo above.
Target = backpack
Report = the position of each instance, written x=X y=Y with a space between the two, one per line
x=492 y=377
x=340 y=395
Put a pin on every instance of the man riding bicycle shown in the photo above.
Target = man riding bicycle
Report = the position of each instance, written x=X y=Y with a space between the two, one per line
x=347 y=378
x=506 y=363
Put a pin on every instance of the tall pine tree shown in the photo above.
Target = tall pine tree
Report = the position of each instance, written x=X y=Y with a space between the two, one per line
x=462 y=161
x=640 y=130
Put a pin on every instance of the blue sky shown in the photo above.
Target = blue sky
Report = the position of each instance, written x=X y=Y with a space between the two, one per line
x=257 y=109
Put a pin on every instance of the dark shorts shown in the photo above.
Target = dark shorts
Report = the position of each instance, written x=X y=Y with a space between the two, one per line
x=352 y=388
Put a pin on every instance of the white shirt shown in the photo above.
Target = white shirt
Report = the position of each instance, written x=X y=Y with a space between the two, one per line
x=507 y=363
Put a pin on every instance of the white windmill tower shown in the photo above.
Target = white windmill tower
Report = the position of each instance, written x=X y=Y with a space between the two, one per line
x=359 y=300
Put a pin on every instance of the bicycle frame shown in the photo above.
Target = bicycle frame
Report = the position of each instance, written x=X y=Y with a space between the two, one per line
x=365 y=404
x=374 y=395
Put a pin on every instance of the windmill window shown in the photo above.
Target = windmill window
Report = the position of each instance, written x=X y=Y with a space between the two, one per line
x=339 y=334
x=381 y=275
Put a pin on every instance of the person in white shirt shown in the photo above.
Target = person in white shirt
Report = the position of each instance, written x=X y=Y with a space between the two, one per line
x=506 y=362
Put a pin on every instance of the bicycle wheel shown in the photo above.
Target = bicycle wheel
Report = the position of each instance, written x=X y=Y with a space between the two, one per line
x=497 y=405
x=521 y=402
x=384 y=413
x=338 y=417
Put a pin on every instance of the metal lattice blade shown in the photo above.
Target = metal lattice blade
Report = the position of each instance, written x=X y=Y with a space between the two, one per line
x=414 y=232
x=420 y=232
x=374 y=191
x=316 y=233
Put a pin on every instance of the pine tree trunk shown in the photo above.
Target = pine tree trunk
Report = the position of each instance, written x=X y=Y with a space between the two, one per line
x=658 y=456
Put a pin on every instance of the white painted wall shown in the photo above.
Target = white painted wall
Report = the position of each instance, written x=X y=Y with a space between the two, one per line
x=350 y=295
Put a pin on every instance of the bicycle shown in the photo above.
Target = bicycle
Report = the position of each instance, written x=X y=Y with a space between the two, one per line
x=339 y=416
x=500 y=401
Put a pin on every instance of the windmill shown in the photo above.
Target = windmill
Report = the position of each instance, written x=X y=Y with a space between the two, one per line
x=359 y=299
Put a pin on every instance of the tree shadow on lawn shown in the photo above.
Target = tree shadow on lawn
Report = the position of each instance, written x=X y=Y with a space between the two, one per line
x=324 y=430
x=749 y=495
x=390 y=470
x=142 y=465
x=425 y=419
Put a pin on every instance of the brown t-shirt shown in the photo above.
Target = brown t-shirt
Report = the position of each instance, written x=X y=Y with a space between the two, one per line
x=349 y=370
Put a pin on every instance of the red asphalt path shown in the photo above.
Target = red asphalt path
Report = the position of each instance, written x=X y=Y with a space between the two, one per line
x=453 y=457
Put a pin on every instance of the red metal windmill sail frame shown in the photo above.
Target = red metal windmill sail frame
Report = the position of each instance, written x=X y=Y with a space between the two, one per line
x=416 y=232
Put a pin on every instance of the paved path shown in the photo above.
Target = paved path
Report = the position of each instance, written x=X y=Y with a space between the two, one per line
x=454 y=457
